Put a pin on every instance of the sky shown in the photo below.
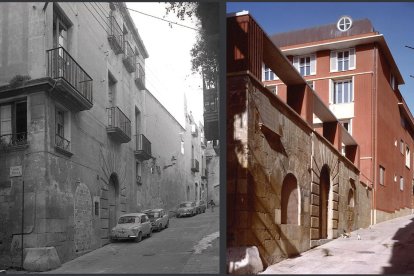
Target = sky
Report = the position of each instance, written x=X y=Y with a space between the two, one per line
x=168 y=72
x=395 y=20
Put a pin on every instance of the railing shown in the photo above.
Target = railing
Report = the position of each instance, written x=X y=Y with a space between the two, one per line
x=61 y=65
x=129 y=57
x=116 y=118
x=195 y=165
x=13 y=139
x=143 y=144
x=115 y=33
x=140 y=76
x=61 y=142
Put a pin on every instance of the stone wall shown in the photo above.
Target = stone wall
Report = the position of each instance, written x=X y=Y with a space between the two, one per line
x=259 y=162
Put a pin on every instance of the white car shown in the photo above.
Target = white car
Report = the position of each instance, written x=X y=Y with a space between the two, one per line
x=132 y=226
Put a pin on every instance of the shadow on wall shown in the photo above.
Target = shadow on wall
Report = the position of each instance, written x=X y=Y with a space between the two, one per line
x=251 y=194
x=402 y=258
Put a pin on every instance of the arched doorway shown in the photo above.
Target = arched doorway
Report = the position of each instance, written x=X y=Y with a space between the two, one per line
x=196 y=191
x=187 y=195
x=290 y=200
x=324 y=202
x=113 y=200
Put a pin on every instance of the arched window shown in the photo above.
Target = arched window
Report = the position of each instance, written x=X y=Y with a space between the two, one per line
x=290 y=200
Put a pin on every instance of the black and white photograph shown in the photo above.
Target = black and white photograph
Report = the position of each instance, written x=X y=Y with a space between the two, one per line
x=109 y=137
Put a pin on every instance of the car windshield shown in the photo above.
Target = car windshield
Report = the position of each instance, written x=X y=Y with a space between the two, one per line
x=127 y=219
x=185 y=204
x=153 y=215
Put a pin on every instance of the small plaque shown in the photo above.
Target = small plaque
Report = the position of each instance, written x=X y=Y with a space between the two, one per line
x=16 y=171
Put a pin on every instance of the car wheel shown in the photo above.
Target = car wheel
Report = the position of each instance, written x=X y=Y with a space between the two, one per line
x=168 y=222
x=139 y=238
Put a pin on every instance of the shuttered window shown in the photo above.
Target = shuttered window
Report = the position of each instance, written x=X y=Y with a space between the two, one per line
x=306 y=65
x=342 y=60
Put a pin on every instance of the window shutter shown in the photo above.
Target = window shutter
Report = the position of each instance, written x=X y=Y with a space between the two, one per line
x=313 y=64
x=330 y=91
x=352 y=58
x=334 y=63
x=263 y=72
x=5 y=120
x=296 y=63
x=352 y=86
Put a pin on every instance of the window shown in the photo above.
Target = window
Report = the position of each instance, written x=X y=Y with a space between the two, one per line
x=382 y=175
x=62 y=130
x=306 y=65
x=401 y=183
x=392 y=81
x=344 y=23
x=268 y=74
x=402 y=146
x=61 y=25
x=342 y=60
x=13 y=123
x=273 y=89
x=138 y=169
x=342 y=91
x=347 y=125
x=407 y=157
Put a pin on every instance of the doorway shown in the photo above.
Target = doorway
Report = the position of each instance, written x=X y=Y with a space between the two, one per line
x=113 y=200
x=324 y=202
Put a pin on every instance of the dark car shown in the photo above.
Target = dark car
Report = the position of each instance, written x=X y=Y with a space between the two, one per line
x=186 y=208
x=159 y=219
x=200 y=206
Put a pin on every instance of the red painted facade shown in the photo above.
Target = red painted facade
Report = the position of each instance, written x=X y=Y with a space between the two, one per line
x=377 y=120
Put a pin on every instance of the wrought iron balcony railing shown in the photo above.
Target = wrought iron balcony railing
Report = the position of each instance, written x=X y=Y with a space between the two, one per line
x=143 y=147
x=129 y=57
x=13 y=139
x=119 y=126
x=140 y=77
x=115 y=36
x=195 y=165
x=62 y=142
x=62 y=66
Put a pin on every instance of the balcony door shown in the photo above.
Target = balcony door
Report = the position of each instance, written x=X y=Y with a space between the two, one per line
x=60 y=39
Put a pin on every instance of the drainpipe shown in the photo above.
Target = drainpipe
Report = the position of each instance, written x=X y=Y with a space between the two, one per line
x=374 y=132
x=22 y=219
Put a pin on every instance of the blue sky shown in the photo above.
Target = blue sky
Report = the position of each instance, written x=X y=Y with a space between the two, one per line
x=395 y=20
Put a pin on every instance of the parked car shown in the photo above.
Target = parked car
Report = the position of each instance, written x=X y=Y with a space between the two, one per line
x=201 y=206
x=186 y=208
x=159 y=219
x=132 y=226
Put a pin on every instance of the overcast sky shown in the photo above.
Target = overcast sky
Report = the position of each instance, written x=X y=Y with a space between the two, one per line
x=168 y=72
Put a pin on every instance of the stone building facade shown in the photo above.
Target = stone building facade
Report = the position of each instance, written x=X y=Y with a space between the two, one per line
x=82 y=140
x=289 y=185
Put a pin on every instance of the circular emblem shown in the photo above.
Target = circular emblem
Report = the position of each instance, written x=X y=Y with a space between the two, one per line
x=344 y=23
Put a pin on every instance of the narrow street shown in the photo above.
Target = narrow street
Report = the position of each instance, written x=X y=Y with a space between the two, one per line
x=189 y=245
x=384 y=248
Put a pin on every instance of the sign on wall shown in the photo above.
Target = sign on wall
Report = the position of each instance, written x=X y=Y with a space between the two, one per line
x=16 y=171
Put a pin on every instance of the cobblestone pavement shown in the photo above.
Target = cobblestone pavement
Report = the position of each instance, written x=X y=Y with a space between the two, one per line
x=384 y=248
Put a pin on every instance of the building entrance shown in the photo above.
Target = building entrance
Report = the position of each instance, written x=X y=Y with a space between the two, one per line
x=113 y=200
x=324 y=202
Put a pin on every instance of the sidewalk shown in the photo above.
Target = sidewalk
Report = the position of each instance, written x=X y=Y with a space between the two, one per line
x=384 y=248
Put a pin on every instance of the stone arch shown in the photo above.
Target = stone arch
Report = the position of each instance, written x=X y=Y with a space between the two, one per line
x=325 y=204
x=290 y=200
x=113 y=200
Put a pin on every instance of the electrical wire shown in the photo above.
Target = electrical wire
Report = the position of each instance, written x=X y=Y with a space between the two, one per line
x=99 y=22
x=159 y=18
x=104 y=18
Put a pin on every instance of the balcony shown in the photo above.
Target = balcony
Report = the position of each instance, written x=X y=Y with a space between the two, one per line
x=115 y=36
x=119 y=126
x=62 y=145
x=143 y=147
x=195 y=165
x=13 y=141
x=73 y=86
x=129 y=58
x=204 y=173
x=194 y=130
x=140 y=77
